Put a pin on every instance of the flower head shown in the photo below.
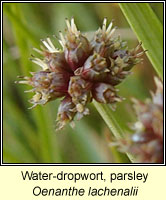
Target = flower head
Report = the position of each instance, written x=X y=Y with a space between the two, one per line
x=81 y=71
x=147 y=141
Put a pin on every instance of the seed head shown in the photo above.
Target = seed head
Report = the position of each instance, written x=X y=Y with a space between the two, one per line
x=81 y=71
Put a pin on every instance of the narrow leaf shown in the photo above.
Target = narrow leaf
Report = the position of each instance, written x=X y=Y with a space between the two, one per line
x=148 y=29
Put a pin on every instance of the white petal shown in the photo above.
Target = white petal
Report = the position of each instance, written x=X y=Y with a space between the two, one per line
x=68 y=24
x=51 y=44
x=62 y=39
x=37 y=50
x=40 y=63
x=104 y=24
x=109 y=27
x=111 y=33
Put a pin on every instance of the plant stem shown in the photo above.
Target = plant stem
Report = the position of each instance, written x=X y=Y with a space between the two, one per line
x=108 y=116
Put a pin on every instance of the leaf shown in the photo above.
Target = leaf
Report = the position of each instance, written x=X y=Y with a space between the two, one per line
x=148 y=29
x=18 y=23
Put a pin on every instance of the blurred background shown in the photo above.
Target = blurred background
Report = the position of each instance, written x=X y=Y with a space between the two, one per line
x=29 y=136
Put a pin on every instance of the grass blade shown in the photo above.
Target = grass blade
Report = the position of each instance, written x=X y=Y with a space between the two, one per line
x=17 y=21
x=148 y=29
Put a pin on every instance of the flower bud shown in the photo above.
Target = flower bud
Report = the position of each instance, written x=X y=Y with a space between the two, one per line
x=53 y=58
x=94 y=68
x=53 y=81
x=117 y=72
x=66 y=112
x=47 y=85
x=76 y=46
x=79 y=90
x=102 y=42
x=56 y=61
x=105 y=93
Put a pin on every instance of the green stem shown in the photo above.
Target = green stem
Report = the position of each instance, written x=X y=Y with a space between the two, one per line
x=108 y=116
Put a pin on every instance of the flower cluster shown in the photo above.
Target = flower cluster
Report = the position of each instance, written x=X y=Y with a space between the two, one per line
x=81 y=71
x=147 y=141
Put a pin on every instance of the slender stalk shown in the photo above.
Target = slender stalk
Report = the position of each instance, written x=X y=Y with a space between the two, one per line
x=108 y=116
